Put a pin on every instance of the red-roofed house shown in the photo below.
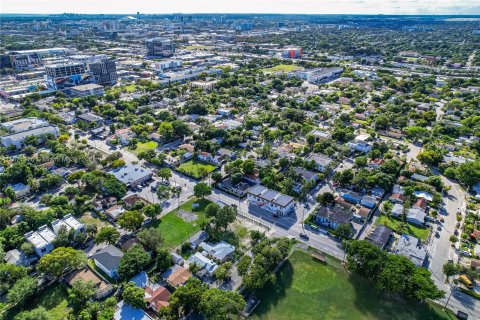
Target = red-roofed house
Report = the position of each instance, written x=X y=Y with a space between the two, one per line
x=158 y=298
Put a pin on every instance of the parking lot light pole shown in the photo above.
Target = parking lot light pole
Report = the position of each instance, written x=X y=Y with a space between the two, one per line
x=452 y=288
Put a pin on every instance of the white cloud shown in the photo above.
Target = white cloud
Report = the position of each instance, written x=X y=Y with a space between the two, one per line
x=244 y=6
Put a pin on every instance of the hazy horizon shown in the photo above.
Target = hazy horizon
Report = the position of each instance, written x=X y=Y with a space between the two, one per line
x=387 y=7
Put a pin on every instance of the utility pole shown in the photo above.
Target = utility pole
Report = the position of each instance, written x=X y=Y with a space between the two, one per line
x=452 y=288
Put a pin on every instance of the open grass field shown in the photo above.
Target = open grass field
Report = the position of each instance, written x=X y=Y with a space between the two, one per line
x=198 y=47
x=130 y=88
x=421 y=233
x=53 y=299
x=193 y=167
x=143 y=146
x=282 y=68
x=306 y=289
x=175 y=230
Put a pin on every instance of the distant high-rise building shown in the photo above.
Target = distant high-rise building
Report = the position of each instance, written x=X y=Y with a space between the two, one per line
x=67 y=75
x=160 y=47
x=102 y=67
x=292 y=53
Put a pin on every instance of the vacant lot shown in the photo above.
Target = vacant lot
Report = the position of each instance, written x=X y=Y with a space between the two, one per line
x=195 y=168
x=143 y=146
x=394 y=224
x=53 y=299
x=282 y=68
x=306 y=289
x=175 y=230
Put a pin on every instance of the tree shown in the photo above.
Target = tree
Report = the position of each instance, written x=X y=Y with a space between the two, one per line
x=133 y=295
x=9 y=193
x=164 y=173
x=164 y=260
x=61 y=260
x=151 y=239
x=131 y=220
x=219 y=304
x=23 y=289
x=217 y=177
x=186 y=298
x=211 y=209
x=132 y=262
x=344 y=231
x=39 y=313
x=107 y=234
x=450 y=269
x=9 y=274
x=326 y=198
x=468 y=172
x=361 y=161
x=243 y=265
x=163 y=192
x=224 y=217
x=80 y=293
x=152 y=210
x=201 y=190
x=113 y=187
x=223 y=272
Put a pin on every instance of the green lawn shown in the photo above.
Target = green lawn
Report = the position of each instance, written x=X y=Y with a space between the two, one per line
x=306 y=289
x=142 y=146
x=282 y=68
x=193 y=167
x=392 y=223
x=53 y=299
x=130 y=88
x=175 y=230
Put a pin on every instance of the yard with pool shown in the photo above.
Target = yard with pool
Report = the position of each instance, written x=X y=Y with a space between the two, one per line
x=307 y=289
x=394 y=224
x=173 y=226
x=143 y=146
x=194 y=168
x=282 y=68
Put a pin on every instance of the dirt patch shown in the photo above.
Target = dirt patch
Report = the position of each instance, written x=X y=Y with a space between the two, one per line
x=187 y=216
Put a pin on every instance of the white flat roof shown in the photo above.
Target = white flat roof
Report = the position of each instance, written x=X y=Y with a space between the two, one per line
x=46 y=234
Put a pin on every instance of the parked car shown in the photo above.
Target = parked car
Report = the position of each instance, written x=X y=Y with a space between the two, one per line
x=439 y=228
x=437 y=234
x=304 y=236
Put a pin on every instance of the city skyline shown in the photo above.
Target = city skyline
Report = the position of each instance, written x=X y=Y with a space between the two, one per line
x=448 y=7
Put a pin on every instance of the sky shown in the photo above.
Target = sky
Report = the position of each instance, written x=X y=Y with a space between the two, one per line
x=464 y=7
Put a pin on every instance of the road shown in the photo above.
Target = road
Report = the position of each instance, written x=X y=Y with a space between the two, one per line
x=439 y=250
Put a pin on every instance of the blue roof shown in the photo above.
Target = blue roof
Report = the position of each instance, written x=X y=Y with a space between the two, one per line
x=140 y=280
x=127 y=312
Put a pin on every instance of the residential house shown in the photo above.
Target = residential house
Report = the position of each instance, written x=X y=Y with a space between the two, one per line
x=115 y=211
x=208 y=157
x=41 y=240
x=306 y=174
x=156 y=297
x=369 y=202
x=103 y=288
x=397 y=210
x=197 y=238
x=132 y=175
x=270 y=200
x=91 y=118
x=220 y=251
x=420 y=204
x=351 y=196
x=18 y=258
x=397 y=198
x=412 y=248
x=332 y=216
x=380 y=236
x=203 y=263
x=21 y=190
x=132 y=199
x=322 y=163
x=108 y=260
x=416 y=217
x=360 y=146
x=69 y=222
x=125 y=311
x=176 y=276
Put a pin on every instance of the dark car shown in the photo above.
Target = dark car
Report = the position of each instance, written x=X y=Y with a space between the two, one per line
x=304 y=236
x=437 y=234
x=275 y=215
x=439 y=228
